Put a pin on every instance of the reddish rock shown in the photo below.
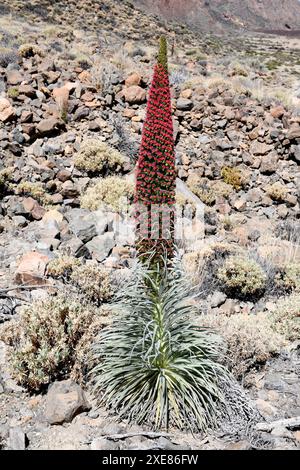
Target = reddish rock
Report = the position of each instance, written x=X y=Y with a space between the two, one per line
x=27 y=90
x=269 y=163
x=134 y=94
x=63 y=175
x=133 y=79
x=47 y=126
x=187 y=93
x=87 y=96
x=64 y=401
x=61 y=96
x=259 y=148
x=69 y=190
x=31 y=269
x=277 y=112
x=33 y=208
x=293 y=132
x=6 y=110
x=26 y=116
x=128 y=113
x=85 y=76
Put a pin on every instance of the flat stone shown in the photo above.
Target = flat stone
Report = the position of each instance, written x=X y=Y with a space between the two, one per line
x=100 y=443
x=277 y=112
x=259 y=148
x=82 y=224
x=14 y=77
x=269 y=163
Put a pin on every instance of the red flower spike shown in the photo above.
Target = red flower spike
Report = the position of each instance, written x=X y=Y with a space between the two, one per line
x=156 y=173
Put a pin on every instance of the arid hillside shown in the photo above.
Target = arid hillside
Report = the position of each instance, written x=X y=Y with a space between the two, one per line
x=215 y=15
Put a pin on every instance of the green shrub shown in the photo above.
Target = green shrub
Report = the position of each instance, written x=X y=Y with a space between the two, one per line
x=242 y=277
x=96 y=156
x=153 y=364
x=233 y=176
x=48 y=338
x=108 y=192
x=13 y=92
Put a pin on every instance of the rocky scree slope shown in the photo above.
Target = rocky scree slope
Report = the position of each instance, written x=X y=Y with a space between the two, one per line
x=61 y=89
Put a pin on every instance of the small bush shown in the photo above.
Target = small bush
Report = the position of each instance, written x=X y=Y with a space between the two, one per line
x=96 y=156
x=239 y=69
x=93 y=282
x=200 y=187
x=220 y=188
x=233 y=176
x=107 y=192
x=29 y=50
x=285 y=316
x=35 y=190
x=242 y=277
x=289 y=278
x=250 y=339
x=13 y=92
x=277 y=191
x=8 y=56
x=62 y=267
x=5 y=178
x=45 y=339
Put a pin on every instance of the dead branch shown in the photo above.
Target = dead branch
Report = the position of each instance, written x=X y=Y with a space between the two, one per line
x=289 y=423
x=151 y=435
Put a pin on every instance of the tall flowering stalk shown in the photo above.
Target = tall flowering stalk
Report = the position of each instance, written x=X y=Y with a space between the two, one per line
x=156 y=174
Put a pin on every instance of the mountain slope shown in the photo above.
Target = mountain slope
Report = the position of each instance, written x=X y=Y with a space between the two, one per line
x=214 y=15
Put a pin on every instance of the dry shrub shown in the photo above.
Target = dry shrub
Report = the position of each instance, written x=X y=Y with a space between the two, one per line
x=109 y=192
x=96 y=156
x=233 y=177
x=250 y=339
x=242 y=276
x=29 y=50
x=62 y=266
x=289 y=278
x=93 y=281
x=285 y=316
x=277 y=191
x=51 y=340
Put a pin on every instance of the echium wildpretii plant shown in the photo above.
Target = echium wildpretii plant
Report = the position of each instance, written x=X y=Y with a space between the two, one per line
x=156 y=174
x=153 y=365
